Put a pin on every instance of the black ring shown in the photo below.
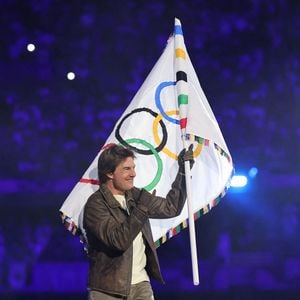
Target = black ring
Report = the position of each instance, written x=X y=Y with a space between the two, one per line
x=141 y=151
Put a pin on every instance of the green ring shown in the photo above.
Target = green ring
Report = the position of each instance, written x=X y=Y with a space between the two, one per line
x=158 y=174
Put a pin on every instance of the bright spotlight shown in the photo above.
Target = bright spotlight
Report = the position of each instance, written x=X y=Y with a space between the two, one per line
x=239 y=181
x=30 y=47
x=71 y=75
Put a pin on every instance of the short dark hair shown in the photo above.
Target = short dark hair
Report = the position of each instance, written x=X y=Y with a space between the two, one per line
x=110 y=158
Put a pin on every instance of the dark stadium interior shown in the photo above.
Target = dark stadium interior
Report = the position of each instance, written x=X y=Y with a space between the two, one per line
x=246 y=55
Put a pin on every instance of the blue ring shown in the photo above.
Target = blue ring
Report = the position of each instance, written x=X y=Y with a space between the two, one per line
x=158 y=90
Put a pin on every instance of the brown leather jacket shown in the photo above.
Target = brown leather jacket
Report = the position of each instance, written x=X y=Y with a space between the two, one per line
x=110 y=231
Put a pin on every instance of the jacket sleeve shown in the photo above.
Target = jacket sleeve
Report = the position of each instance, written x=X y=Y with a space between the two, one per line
x=171 y=205
x=115 y=233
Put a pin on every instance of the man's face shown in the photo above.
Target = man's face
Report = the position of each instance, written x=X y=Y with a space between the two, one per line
x=122 y=178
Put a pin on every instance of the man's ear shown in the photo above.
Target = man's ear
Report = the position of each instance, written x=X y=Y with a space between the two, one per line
x=110 y=175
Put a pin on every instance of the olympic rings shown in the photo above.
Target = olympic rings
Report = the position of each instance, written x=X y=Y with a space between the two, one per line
x=141 y=151
x=160 y=142
x=158 y=174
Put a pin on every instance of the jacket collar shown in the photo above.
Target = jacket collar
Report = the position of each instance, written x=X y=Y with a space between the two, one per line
x=110 y=199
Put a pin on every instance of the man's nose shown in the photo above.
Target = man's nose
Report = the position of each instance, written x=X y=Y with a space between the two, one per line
x=133 y=174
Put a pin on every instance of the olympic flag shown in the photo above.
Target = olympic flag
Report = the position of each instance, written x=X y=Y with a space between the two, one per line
x=168 y=111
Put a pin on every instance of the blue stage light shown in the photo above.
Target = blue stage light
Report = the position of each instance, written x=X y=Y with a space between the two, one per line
x=253 y=172
x=239 y=181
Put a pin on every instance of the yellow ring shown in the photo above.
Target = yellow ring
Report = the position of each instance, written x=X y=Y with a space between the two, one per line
x=158 y=141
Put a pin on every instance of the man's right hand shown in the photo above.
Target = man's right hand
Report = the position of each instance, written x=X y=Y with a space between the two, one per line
x=186 y=156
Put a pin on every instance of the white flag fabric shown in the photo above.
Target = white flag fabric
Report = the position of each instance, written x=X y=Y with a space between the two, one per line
x=152 y=127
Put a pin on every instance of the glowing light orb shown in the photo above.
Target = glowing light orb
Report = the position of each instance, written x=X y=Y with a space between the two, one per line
x=71 y=75
x=30 y=47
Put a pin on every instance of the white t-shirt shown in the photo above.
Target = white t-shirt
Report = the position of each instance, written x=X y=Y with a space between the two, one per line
x=139 y=259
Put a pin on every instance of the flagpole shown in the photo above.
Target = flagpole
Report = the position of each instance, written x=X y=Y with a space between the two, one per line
x=192 y=234
x=182 y=89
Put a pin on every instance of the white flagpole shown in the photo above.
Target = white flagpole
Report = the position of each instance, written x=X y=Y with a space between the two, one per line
x=193 y=244
x=182 y=89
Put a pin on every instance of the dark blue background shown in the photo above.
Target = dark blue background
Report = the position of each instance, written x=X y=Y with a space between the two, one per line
x=246 y=55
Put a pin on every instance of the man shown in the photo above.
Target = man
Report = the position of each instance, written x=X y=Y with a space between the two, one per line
x=121 y=250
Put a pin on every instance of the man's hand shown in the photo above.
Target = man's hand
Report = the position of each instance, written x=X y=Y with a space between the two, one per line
x=186 y=156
